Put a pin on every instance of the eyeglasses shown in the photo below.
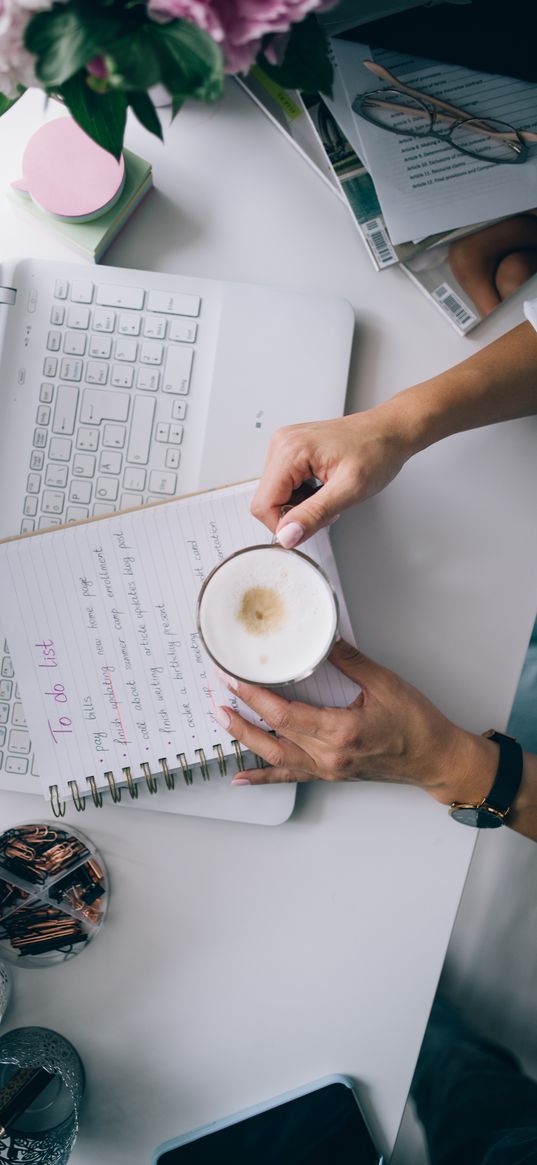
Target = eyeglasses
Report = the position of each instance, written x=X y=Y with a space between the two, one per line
x=421 y=115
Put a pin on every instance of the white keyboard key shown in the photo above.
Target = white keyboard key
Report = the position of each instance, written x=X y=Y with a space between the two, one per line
x=88 y=439
x=161 y=482
x=107 y=488
x=148 y=379
x=61 y=289
x=4 y=713
x=37 y=459
x=60 y=449
x=54 y=341
x=183 y=330
x=100 y=406
x=18 y=718
x=110 y=461
x=27 y=524
x=52 y=501
x=81 y=291
x=57 y=314
x=71 y=369
x=42 y=415
x=16 y=764
x=56 y=475
x=100 y=508
x=112 y=295
x=30 y=507
x=63 y=420
x=96 y=372
x=48 y=522
x=19 y=740
x=134 y=478
x=6 y=688
x=140 y=430
x=74 y=343
x=80 y=491
x=103 y=320
x=78 y=316
x=162 y=432
x=155 y=328
x=173 y=457
x=84 y=463
x=50 y=366
x=126 y=349
x=46 y=392
x=179 y=410
x=177 y=371
x=122 y=376
x=33 y=483
x=173 y=303
x=176 y=434
x=129 y=325
x=7 y=668
x=151 y=353
x=40 y=438
x=100 y=346
x=76 y=513
x=114 y=436
x=128 y=500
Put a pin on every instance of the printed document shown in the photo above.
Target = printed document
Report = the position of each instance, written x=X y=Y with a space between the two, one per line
x=425 y=186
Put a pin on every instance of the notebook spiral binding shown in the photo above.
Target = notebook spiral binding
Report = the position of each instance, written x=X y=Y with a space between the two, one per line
x=131 y=787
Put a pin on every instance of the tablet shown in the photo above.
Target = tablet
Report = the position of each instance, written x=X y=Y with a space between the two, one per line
x=318 y=1123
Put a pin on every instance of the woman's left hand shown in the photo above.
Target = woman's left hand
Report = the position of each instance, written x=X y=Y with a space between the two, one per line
x=391 y=732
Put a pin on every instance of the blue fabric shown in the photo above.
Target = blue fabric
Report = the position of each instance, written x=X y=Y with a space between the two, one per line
x=523 y=719
x=476 y=1105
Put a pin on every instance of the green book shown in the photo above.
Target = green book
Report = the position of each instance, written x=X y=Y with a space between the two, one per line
x=93 y=238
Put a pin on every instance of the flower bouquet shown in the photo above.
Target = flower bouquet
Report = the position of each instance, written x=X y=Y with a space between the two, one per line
x=101 y=57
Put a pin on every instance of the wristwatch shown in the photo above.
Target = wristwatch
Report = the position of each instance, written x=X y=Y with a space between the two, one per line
x=494 y=808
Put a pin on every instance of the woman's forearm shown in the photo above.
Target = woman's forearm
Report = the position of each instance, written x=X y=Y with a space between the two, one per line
x=496 y=384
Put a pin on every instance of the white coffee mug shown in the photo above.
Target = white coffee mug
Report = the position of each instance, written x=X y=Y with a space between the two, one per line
x=267 y=615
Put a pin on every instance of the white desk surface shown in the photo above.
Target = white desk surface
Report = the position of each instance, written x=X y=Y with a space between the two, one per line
x=237 y=962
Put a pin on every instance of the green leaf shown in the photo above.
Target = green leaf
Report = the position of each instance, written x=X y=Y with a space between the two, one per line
x=7 y=102
x=135 y=61
x=306 y=64
x=145 y=111
x=101 y=115
x=190 y=61
x=64 y=39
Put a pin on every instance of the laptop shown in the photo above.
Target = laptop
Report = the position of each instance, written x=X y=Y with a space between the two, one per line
x=118 y=387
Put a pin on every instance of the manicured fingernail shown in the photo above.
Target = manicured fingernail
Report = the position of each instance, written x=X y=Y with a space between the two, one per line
x=290 y=535
x=240 y=781
x=223 y=717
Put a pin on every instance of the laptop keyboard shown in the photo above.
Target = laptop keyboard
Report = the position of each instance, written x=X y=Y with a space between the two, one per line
x=109 y=425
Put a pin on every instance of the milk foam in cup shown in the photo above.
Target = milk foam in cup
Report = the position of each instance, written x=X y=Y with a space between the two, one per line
x=268 y=615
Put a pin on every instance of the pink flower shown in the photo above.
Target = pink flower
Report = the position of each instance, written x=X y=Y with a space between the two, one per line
x=16 y=63
x=239 y=26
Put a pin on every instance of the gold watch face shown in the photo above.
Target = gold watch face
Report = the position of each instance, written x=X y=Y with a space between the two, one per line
x=479 y=816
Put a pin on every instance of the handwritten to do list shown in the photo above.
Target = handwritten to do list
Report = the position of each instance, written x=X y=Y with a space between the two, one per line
x=100 y=619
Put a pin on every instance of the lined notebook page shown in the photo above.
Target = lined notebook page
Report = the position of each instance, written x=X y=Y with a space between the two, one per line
x=102 y=629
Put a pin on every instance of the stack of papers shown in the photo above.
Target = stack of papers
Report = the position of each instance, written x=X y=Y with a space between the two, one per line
x=412 y=198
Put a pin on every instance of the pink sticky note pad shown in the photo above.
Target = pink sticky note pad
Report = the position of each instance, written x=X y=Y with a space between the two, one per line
x=69 y=175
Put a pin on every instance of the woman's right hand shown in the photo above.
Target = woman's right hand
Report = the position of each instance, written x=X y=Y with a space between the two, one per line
x=354 y=457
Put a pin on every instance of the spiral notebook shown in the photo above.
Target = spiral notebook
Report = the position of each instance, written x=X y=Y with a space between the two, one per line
x=119 y=694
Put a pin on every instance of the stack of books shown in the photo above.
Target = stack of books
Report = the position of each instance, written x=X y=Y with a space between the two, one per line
x=410 y=199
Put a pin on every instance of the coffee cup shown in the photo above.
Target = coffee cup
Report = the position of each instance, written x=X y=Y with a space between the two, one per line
x=267 y=615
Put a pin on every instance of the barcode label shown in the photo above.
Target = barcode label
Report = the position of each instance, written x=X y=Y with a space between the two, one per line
x=377 y=238
x=454 y=307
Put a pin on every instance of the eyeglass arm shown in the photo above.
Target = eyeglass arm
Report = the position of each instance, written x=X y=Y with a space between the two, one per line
x=385 y=75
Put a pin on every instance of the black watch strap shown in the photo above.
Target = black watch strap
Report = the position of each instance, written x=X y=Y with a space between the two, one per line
x=509 y=773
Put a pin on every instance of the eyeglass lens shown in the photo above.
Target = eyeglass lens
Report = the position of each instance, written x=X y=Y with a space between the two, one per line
x=489 y=139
